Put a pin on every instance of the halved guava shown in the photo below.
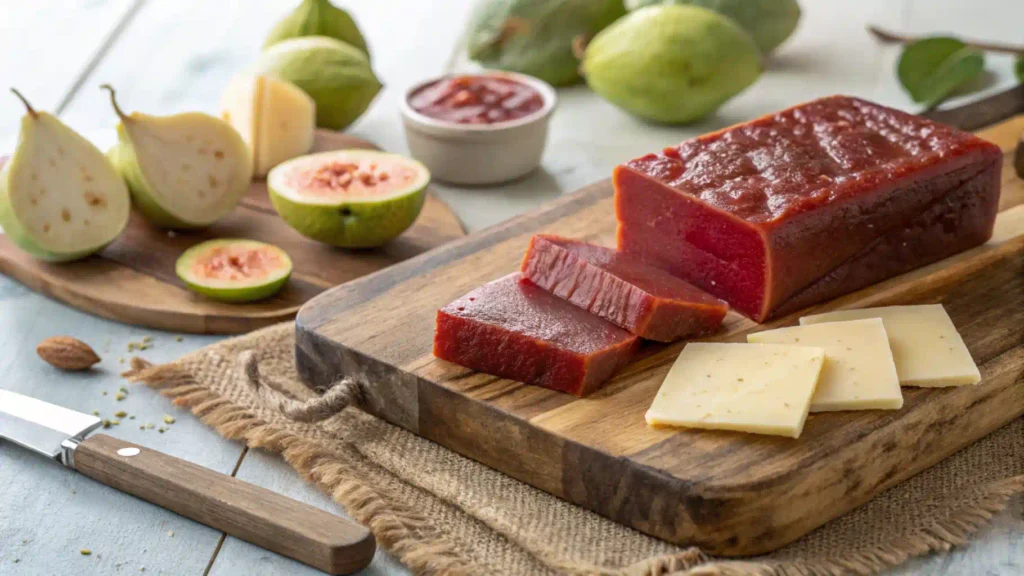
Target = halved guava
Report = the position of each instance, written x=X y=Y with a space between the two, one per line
x=234 y=270
x=184 y=171
x=349 y=198
x=60 y=198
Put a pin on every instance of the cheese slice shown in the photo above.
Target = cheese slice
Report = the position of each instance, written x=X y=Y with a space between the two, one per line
x=275 y=118
x=859 y=372
x=927 y=349
x=761 y=388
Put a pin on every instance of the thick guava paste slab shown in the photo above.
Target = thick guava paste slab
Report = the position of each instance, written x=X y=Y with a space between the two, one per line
x=809 y=203
x=514 y=329
x=641 y=298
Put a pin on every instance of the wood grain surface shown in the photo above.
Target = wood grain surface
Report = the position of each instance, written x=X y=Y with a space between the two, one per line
x=133 y=280
x=267 y=519
x=730 y=493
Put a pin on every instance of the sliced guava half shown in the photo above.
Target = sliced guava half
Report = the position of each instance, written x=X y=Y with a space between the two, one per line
x=234 y=269
x=184 y=171
x=349 y=198
x=60 y=198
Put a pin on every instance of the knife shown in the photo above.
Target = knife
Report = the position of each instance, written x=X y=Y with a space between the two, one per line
x=267 y=519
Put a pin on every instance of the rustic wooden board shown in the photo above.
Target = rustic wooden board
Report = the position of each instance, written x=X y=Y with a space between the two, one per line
x=133 y=279
x=730 y=493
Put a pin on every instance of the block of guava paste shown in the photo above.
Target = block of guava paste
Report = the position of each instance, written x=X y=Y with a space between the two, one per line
x=809 y=203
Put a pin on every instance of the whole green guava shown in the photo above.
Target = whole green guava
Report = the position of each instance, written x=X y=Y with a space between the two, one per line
x=336 y=76
x=671 y=64
x=536 y=37
x=769 y=22
x=317 y=18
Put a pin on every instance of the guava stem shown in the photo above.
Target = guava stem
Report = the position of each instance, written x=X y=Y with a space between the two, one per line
x=113 y=100
x=32 y=111
x=892 y=37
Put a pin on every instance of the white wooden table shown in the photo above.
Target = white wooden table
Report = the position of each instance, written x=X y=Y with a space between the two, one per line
x=173 y=55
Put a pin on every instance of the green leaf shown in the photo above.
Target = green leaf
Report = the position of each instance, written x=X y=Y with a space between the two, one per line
x=932 y=68
x=1019 y=67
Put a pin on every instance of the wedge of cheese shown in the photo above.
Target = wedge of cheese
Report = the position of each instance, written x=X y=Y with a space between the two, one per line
x=275 y=118
x=927 y=349
x=760 y=388
x=859 y=372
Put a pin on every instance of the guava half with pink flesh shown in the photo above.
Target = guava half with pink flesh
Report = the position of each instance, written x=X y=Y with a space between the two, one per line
x=234 y=270
x=349 y=198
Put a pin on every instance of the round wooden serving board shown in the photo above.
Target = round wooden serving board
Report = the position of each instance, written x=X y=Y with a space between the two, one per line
x=133 y=279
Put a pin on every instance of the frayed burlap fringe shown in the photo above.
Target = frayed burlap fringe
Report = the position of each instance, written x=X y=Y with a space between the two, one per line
x=398 y=529
x=344 y=473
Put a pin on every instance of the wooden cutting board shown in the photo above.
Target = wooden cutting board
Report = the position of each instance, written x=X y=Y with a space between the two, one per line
x=133 y=279
x=729 y=493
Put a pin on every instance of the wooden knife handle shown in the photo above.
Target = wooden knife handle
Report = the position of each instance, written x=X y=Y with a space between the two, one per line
x=267 y=519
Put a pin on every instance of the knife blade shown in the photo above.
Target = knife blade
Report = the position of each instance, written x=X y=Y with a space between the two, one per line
x=40 y=426
x=257 y=515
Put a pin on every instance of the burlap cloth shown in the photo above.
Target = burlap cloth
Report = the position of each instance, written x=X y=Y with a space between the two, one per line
x=439 y=512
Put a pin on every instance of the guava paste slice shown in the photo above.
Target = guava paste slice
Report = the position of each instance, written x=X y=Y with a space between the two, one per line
x=514 y=329
x=348 y=175
x=645 y=300
x=809 y=203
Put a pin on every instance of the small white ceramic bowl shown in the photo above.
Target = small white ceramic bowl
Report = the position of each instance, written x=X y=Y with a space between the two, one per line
x=480 y=153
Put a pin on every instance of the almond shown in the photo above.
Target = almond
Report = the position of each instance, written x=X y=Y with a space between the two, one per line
x=67 y=353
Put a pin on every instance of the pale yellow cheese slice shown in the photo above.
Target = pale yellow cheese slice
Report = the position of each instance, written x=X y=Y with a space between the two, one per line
x=275 y=118
x=927 y=349
x=859 y=372
x=760 y=388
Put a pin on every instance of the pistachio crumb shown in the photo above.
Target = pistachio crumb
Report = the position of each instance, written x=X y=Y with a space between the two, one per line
x=95 y=412
x=106 y=423
x=161 y=430
x=149 y=426
x=178 y=339
x=115 y=422
x=120 y=413
x=170 y=533
x=104 y=392
x=142 y=427
x=168 y=419
x=119 y=396
x=147 y=339
x=132 y=417
x=85 y=552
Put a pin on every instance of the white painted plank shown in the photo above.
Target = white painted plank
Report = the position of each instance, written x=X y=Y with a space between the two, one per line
x=45 y=44
x=58 y=511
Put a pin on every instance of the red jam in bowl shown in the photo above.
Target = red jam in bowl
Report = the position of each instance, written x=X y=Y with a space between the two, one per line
x=476 y=100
